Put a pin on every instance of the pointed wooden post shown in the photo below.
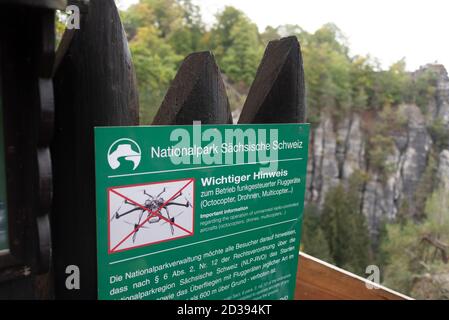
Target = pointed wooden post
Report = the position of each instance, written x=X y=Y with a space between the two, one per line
x=94 y=86
x=277 y=93
x=196 y=94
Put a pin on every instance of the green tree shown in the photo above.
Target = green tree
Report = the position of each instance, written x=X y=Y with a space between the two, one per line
x=425 y=187
x=221 y=38
x=178 y=22
x=190 y=35
x=313 y=240
x=137 y=16
x=167 y=15
x=362 y=80
x=155 y=62
x=269 y=34
x=241 y=60
x=237 y=45
x=345 y=228
x=380 y=147
x=393 y=85
x=424 y=88
x=417 y=253
x=439 y=134
x=327 y=70
x=160 y=33
x=390 y=120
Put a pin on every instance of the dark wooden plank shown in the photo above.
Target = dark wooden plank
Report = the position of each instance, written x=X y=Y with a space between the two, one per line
x=47 y=4
x=27 y=98
x=94 y=86
x=196 y=94
x=277 y=93
x=318 y=280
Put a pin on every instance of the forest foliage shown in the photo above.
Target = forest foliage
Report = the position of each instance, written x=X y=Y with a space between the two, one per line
x=161 y=33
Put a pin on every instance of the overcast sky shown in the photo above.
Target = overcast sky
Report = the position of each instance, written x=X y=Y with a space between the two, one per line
x=386 y=29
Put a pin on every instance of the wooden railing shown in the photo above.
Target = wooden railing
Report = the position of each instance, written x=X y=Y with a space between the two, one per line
x=319 y=280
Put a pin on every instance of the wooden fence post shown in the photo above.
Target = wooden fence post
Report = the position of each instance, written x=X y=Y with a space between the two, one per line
x=277 y=94
x=196 y=94
x=94 y=86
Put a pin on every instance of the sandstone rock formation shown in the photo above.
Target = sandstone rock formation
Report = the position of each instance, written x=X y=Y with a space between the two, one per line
x=337 y=150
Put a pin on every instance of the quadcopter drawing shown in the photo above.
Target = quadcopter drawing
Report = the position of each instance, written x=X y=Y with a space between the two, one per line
x=153 y=204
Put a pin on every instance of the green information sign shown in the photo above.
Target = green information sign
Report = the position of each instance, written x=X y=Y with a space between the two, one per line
x=199 y=212
x=3 y=217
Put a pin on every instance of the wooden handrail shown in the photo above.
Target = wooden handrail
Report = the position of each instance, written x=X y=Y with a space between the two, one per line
x=319 y=280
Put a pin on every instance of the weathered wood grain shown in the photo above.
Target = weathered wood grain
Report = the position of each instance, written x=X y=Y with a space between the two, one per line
x=318 y=280
x=277 y=94
x=94 y=86
x=26 y=91
x=196 y=94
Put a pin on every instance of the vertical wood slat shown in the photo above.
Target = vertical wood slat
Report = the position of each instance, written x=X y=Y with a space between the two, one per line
x=94 y=86
x=196 y=94
x=28 y=102
x=277 y=94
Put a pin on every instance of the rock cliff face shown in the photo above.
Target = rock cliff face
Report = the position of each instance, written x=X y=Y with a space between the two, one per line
x=440 y=107
x=337 y=150
x=443 y=169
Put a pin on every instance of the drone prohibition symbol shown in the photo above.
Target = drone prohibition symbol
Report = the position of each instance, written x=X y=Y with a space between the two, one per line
x=156 y=212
